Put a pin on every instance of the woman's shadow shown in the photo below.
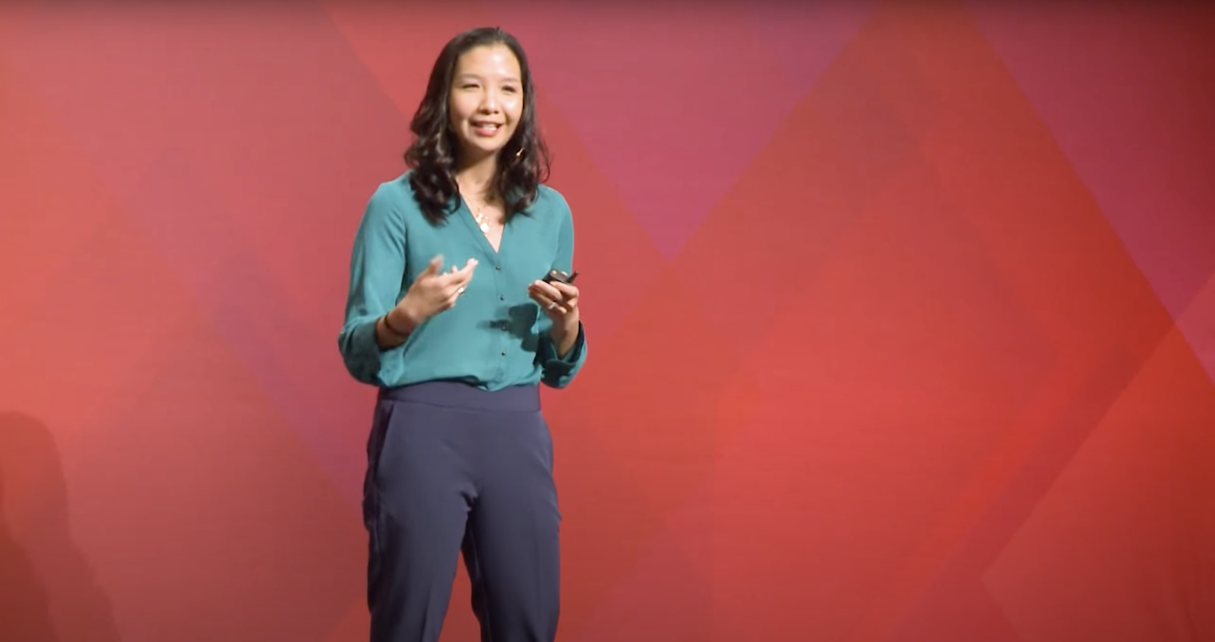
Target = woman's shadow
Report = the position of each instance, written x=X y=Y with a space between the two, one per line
x=47 y=590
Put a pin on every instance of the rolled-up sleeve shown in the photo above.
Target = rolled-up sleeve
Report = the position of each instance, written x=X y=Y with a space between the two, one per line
x=377 y=264
x=558 y=371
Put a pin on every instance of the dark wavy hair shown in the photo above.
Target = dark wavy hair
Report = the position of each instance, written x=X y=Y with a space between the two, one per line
x=523 y=163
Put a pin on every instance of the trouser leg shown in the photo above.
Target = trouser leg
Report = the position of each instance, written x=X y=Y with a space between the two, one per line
x=511 y=547
x=416 y=499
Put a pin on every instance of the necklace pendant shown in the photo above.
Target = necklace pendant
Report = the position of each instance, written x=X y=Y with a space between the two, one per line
x=485 y=227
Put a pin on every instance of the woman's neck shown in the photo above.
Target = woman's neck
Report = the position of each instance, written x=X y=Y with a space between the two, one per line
x=477 y=178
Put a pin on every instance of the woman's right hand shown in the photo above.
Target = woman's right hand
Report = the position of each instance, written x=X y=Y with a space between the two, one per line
x=432 y=292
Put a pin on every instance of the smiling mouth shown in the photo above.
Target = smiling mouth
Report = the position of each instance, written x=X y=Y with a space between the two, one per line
x=486 y=129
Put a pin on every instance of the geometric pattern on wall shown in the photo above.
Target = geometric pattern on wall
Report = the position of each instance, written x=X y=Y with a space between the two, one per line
x=903 y=313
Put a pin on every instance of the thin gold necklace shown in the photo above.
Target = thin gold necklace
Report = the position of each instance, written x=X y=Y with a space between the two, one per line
x=482 y=222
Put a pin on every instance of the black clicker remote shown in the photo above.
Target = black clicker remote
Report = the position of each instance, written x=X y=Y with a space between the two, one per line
x=560 y=277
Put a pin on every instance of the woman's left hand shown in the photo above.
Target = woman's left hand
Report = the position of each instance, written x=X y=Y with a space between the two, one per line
x=558 y=300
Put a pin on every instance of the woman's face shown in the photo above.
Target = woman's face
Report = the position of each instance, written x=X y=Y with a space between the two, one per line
x=486 y=100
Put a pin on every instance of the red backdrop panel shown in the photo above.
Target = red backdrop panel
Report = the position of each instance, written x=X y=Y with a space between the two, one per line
x=903 y=316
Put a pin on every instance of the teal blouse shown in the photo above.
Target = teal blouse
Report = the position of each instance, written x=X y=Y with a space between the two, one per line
x=495 y=336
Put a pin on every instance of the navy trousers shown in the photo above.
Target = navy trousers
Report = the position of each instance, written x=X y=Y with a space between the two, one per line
x=453 y=468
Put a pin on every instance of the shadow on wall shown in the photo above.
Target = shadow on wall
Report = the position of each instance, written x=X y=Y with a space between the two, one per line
x=47 y=590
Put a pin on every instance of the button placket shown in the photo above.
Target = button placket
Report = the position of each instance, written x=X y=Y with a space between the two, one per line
x=503 y=324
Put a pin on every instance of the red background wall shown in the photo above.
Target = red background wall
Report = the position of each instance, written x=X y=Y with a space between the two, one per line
x=903 y=316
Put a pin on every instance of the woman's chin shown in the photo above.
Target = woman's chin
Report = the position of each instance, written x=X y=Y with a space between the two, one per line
x=478 y=151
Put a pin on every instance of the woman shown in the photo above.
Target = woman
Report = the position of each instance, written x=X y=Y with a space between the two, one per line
x=450 y=316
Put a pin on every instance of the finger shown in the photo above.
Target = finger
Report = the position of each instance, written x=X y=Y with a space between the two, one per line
x=566 y=290
x=548 y=290
x=545 y=303
x=451 y=280
x=553 y=299
x=466 y=272
x=551 y=306
x=462 y=279
x=567 y=302
x=445 y=299
x=541 y=299
x=435 y=265
x=461 y=273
